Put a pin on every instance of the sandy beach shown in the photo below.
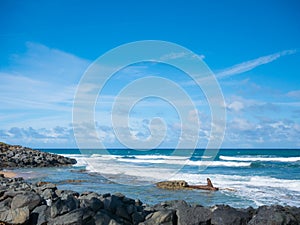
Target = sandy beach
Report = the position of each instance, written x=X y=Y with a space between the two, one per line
x=8 y=174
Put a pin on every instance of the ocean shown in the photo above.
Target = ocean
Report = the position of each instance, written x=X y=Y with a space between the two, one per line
x=246 y=177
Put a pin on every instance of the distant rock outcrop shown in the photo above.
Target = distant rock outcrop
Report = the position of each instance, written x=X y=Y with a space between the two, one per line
x=16 y=156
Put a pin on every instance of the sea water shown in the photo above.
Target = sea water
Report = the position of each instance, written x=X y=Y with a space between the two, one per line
x=246 y=177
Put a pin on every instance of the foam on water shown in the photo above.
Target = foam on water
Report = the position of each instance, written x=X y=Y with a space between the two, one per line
x=150 y=159
x=272 y=180
x=259 y=189
x=263 y=159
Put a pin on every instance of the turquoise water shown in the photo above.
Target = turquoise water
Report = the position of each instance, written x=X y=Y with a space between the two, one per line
x=246 y=177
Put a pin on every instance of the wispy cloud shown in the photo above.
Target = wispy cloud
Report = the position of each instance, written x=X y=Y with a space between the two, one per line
x=178 y=55
x=294 y=94
x=251 y=64
x=39 y=84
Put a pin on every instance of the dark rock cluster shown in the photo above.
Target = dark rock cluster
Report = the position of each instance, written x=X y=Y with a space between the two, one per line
x=42 y=203
x=16 y=156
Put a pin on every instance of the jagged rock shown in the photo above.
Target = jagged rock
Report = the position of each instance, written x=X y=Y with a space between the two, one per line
x=112 y=202
x=193 y=215
x=15 y=156
x=64 y=194
x=61 y=207
x=273 y=215
x=224 y=214
x=138 y=217
x=40 y=215
x=94 y=203
x=89 y=195
x=102 y=218
x=166 y=217
x=174 y=204
x=39 y=204
x=15 y=216
x=29 y=199
x=72 y=218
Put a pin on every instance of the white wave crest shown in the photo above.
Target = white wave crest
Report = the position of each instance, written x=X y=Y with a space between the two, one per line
x=188 y=162
x=262 y=159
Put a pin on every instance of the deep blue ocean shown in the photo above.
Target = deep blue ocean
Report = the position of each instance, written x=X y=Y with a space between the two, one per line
x=246 y=177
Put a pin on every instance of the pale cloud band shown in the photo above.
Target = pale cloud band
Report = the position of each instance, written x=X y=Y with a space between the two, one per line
x=251 y=64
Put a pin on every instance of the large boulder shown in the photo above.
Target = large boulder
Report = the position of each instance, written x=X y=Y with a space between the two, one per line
x=60 y=207
x=273 y=215
x=165 y=217
x=15 y=216
x=75 y=217
x=226 y=215
x=193 y=215
x=29 y=199
x=40 y=215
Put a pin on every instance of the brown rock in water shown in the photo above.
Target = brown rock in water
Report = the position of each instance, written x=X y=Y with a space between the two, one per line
x=181 y=184
x=173 y=185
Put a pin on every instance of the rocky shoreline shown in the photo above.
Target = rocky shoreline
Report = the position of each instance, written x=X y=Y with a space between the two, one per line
x=42 y=203
x=16 y=156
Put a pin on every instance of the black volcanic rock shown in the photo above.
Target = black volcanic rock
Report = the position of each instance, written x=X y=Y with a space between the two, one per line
x=16 y=156
x=276 y=215
x=42 y=203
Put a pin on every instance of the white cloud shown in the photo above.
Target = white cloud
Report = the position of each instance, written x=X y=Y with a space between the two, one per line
x=47 y=64
x=40 y=83
x=294 y=94
x=236 y=106
x=178 y=55
x=263 y=133
x=251 y=64
x=20 y=92
x=241 y=124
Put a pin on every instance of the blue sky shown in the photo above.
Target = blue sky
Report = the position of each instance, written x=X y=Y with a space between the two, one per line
x=251 y=46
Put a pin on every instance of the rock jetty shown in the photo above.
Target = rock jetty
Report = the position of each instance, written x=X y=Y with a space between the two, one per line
x=16 y=156
x=42 y=203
